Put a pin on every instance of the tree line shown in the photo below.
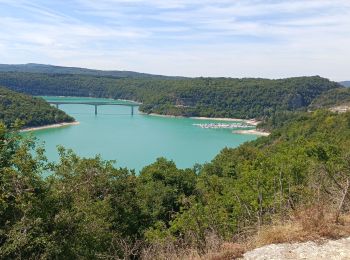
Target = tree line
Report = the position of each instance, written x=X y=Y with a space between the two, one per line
x=210 y=97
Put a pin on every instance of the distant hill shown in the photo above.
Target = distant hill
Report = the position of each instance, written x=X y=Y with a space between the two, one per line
x=332 y=98
x=31 y=111
x=51 y=69
x=206 y=97
x=345 y=83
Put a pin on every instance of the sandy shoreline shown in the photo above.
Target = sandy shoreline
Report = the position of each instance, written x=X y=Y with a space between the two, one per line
x=247 y=121
x=29 y=129
x=252 y=122
x=251 y=132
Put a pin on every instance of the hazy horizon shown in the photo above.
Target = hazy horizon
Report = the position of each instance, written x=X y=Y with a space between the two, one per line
x=55 y=65
x=251 y=38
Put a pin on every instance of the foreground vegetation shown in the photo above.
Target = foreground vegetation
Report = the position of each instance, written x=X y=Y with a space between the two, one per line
x=30 y=111
x=88 y=208
x=208 y=97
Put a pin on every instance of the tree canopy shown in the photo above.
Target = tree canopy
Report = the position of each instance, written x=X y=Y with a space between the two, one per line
x=28 y=110
x=331 y=98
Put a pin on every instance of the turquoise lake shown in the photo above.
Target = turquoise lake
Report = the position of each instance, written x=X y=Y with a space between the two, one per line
x=135 y=141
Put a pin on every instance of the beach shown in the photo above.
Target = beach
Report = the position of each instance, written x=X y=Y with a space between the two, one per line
x=29 y=129
x=251 y=132
x=247 y=121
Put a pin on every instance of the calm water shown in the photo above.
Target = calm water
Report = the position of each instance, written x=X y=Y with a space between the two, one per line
x=136 y=141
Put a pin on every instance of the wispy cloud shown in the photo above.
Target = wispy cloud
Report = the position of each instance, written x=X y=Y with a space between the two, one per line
x=182 y=37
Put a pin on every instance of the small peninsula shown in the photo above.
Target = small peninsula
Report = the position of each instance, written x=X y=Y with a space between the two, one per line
x=29 y=112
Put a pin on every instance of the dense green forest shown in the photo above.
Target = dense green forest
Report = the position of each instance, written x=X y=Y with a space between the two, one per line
x=334 y=97
x=211 y=97
x=88 y=209
x=29 y=110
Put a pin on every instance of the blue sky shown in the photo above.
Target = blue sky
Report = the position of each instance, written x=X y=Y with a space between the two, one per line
x=233 y=38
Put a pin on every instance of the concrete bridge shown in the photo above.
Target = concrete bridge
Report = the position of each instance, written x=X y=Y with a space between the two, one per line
x=96 y=104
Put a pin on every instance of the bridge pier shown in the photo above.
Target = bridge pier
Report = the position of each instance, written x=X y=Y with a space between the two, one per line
x=132 y=110
x=95 y=110
x=57 y=105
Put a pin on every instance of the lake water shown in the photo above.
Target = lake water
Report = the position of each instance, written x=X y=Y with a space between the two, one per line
x=135 y=141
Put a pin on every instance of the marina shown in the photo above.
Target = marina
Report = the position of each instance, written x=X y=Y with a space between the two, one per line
x=223 y=125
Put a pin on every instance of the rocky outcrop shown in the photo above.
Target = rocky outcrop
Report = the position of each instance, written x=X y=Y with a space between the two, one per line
x=330 y=249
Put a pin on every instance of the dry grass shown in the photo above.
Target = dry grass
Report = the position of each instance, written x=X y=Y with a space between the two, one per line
x=310 y=224
x=215 y=249
x=315 y=223
x=227 y=251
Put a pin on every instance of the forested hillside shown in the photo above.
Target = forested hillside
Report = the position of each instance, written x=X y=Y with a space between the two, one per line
x=211 y=97
x=89 y=209
x=42 y=68
x=29 y=110
x=334 y=97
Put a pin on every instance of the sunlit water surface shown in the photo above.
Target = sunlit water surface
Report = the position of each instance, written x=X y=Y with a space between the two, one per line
x=135 y=141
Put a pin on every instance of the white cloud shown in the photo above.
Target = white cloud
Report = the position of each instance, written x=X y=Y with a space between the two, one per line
x=178 y=37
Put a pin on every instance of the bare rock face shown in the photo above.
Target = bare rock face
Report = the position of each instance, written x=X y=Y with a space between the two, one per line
x=333 y=249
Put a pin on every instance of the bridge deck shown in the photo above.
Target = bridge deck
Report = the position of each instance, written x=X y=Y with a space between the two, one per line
x=94 y=103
